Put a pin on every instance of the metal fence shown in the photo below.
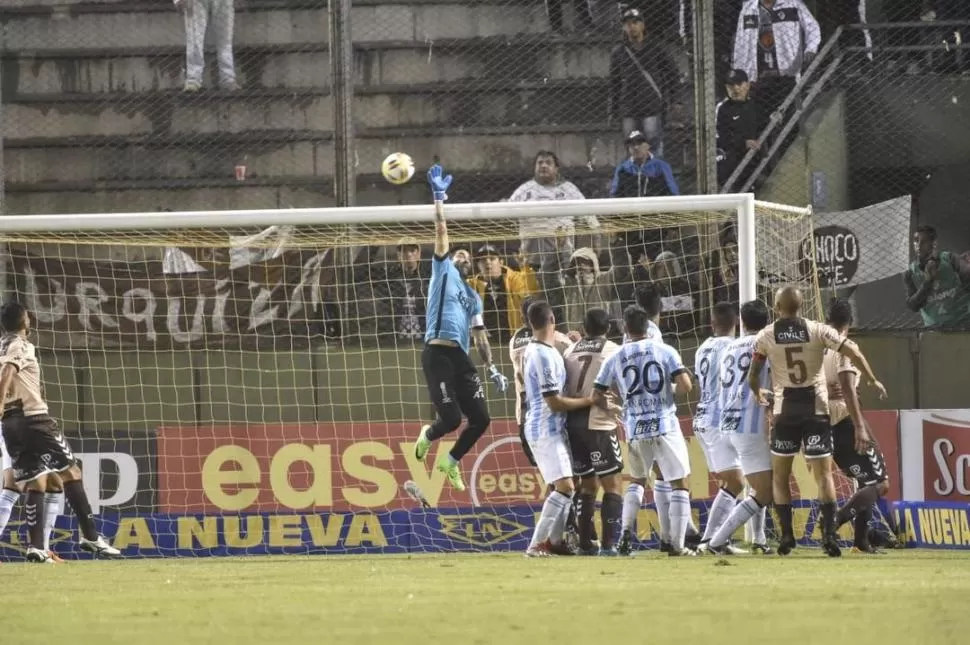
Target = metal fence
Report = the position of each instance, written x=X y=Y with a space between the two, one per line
x=104 y=107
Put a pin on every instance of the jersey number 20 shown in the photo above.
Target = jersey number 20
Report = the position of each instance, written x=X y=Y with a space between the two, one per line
x=641 y=380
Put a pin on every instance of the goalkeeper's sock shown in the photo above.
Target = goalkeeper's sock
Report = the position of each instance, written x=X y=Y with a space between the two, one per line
x=632 y=500
x=8 y=498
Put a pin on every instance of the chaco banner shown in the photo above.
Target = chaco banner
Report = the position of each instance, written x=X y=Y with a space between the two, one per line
x=863 y=245
x=122 y=304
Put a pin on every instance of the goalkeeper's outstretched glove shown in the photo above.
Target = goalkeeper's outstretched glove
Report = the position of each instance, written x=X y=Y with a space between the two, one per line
x=439 y=183
x=498 y=379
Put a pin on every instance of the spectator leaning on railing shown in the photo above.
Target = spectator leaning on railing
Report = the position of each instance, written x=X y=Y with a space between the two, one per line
x=938 y=283
x=198 y=14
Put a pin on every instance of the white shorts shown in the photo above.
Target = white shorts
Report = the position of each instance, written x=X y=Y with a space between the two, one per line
x=553 y=457
x=753 y=452
x=5 y=462
x=718 y=450
x=669 y=452
x=637 y=470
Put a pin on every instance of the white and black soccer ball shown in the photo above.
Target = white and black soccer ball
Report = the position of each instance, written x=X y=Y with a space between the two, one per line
x=398 y=168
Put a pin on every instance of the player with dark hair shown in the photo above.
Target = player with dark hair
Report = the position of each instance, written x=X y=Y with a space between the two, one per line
x=649 y=297
x=854 y=449
x=647 y=374
x=37 y=449
x=744 y=421
x=454 y=313
x=795 y=348
x=722 y=458
x=517 y=346
x=545 y=427
x=595 y=448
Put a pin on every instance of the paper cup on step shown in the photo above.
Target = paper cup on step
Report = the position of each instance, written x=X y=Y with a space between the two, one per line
x=240 y=173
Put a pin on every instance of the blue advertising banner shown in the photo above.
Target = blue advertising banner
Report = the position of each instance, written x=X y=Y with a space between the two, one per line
x=934 y=525
x=506 y=528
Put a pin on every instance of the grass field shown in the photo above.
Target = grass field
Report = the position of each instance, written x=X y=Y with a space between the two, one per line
x=903 y=597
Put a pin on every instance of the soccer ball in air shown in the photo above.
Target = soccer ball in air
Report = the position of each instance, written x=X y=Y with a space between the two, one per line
x=398 y=168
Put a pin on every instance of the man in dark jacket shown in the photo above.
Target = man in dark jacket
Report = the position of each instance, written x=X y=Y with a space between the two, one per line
x=737 y=128
x=642 y=174
x=643 y=81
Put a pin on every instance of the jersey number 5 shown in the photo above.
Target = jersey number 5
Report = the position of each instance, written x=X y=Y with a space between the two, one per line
x=797 y=370
x=636 y=387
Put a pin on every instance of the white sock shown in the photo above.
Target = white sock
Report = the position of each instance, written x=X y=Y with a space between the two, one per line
x=53 y=507
x=661 y=495
x=559 y=524
x=556 y=505
x=632 y=500
x=741 y=514
x=758 y=527
x=7 y=500
x=679 y=516
x=691 y=527
x=723 y=504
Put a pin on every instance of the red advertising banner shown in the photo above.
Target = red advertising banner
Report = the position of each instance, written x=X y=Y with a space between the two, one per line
x=343 y=466
x=946 y=457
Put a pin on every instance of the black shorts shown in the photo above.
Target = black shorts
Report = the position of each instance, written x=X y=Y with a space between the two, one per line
x=798 y=427
x=452 y=378
x=35 y=445
x=595 y=452
x=866 y=469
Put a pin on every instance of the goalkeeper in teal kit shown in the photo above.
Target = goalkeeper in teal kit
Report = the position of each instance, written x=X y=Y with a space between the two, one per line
x=454 y=314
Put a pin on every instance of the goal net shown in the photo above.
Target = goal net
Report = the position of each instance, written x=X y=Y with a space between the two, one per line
x=250 y=382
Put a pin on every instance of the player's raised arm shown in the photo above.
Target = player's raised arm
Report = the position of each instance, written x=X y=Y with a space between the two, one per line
x=439 y=188
x=852 y=351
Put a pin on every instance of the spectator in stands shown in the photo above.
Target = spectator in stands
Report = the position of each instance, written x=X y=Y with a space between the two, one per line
x=586 y=287
x=775 y=41
x=548 y=243
x=643 y=82
x=198 y=14
x=642 y=174
x=947 y=10
x=678 y=297
x=582 y=10
x=401 y=293
x=502 y=290
x=737 y=127
x=938 y=283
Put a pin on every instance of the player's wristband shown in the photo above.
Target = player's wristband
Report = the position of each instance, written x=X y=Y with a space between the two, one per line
x=440 y=196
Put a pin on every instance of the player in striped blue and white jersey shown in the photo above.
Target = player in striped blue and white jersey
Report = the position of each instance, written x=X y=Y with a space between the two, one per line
x=722 y=458
x=744 y=421
x=646 y=374
x=544 y=376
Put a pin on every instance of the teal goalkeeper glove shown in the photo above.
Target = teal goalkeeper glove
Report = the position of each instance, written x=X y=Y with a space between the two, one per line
x=498 y=379
x=439 y=183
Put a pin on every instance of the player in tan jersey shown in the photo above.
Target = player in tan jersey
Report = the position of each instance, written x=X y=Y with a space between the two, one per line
x=597 y=458
x=795 y=347
x=520 y=340
x=36 y=447
x=854 y=450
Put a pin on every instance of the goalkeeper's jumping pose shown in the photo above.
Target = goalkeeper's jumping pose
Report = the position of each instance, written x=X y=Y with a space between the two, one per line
x=454 y=313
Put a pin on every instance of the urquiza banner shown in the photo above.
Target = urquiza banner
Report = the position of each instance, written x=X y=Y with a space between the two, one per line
x=494 y=529
x=863 y=245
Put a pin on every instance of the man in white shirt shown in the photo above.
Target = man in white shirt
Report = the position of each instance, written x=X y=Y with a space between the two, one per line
x=548 y=242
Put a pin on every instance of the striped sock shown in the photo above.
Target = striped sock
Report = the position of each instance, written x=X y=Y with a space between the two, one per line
x=632 y=500
x=679 y=516
x=742 y=513
x=554 y=509
x=661 y=496
x=721 y=507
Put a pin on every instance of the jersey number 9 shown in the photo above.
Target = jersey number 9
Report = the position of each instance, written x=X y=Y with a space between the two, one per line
x=638 y=385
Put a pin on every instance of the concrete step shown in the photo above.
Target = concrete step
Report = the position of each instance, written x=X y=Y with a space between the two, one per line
x=302 y=65
x=301 y=153
x=288 y=192
x=157 y=24
x=464 y=104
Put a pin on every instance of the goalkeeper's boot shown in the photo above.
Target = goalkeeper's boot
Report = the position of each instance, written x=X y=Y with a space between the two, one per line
x=786 y=544
x=100 y=547
x=423 y=444
x=452 y=472
x=625 y=545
